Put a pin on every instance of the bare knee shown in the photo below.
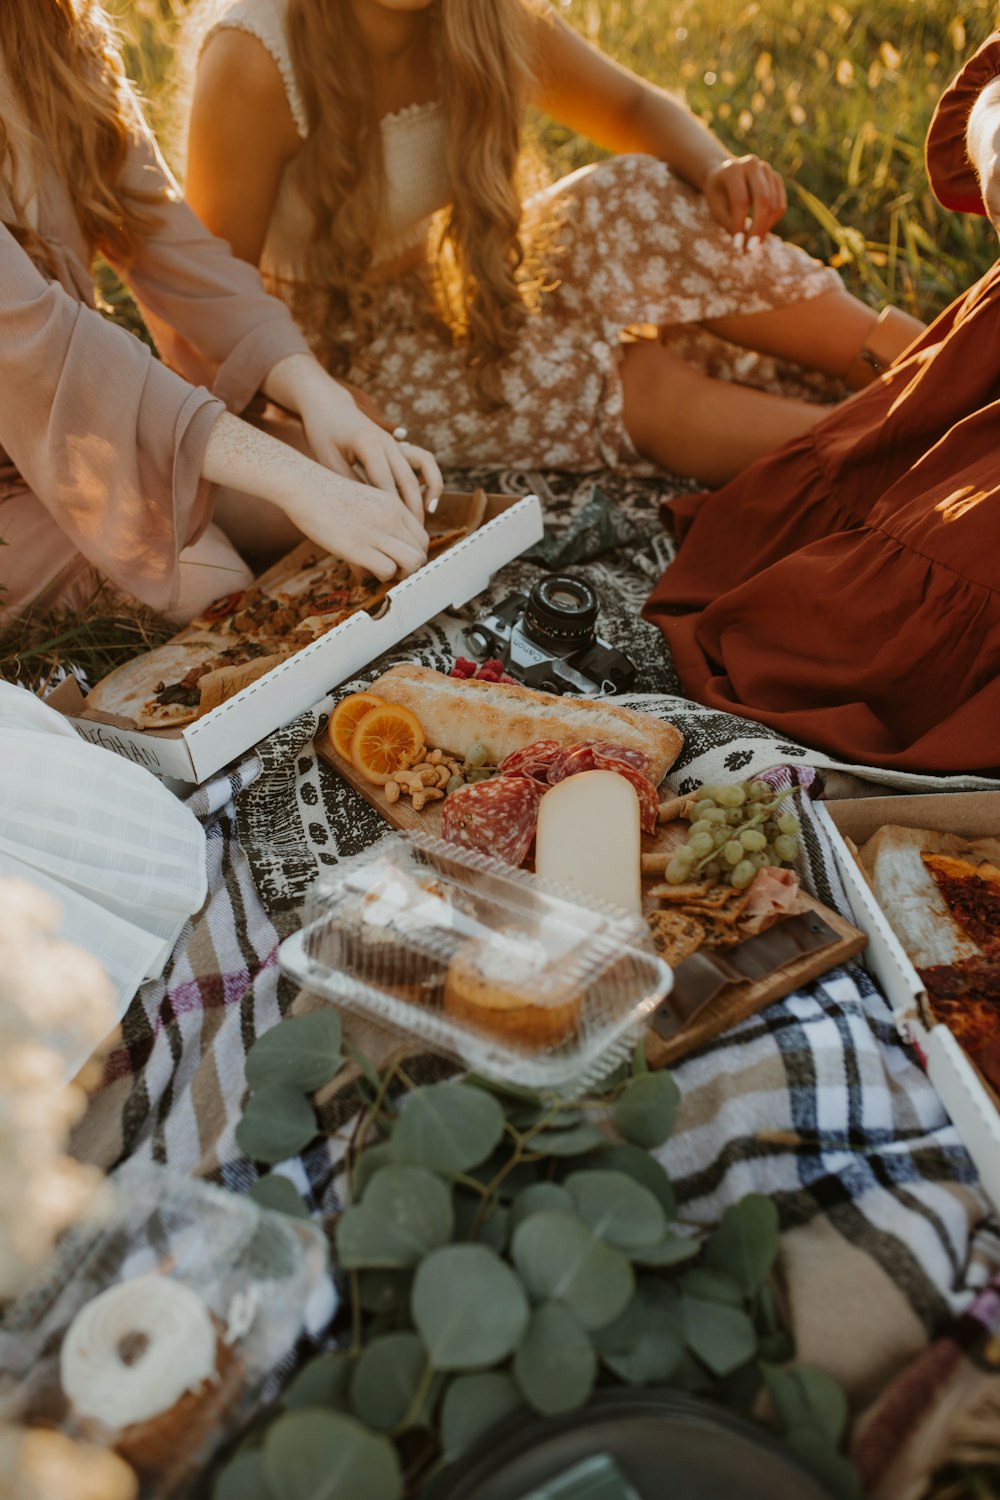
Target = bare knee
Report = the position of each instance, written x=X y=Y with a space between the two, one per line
x=659 y=389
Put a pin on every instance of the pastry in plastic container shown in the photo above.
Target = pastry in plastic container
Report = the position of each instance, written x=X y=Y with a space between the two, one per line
x=155 y=1331
x=515 y=977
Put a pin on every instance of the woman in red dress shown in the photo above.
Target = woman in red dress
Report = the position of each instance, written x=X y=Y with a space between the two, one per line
x=845 y=590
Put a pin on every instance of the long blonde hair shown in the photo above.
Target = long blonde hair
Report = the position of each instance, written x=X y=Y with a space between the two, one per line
x=485 y=275
x=66 y=71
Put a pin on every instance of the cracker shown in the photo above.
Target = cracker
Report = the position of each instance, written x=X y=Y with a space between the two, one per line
x=675 y=935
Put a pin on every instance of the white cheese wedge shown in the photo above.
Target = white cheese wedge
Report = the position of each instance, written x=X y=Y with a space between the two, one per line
x=588 y=838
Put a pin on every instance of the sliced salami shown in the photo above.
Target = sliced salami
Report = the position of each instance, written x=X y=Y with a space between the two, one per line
x=495 y=817
x=571 y=760
x=609 y=757
x=649 y=798
x=534 y=760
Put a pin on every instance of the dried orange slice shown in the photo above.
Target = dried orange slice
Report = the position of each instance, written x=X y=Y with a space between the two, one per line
x=386 y=740
x=347 y=716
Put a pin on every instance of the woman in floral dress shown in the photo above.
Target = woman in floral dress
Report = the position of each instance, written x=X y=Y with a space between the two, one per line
x=368 y=155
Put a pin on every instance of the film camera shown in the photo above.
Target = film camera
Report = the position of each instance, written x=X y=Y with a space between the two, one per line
x=547 y=640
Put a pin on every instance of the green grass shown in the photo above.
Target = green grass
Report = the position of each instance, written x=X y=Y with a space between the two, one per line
x=837 y=96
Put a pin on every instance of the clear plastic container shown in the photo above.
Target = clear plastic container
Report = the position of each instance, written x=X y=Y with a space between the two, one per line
x=259 y=1275
x=520 y=980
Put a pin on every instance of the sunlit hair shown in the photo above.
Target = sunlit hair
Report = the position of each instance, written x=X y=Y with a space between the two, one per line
x=67 y=74
x=484 y=277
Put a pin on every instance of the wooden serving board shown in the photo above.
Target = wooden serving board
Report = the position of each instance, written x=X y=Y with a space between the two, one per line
x=735 y=1003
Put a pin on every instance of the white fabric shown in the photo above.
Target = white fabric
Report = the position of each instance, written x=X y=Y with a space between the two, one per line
x=125 y=860
x=413 y=152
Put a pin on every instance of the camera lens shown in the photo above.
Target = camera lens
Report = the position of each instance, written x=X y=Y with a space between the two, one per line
x=560 y=613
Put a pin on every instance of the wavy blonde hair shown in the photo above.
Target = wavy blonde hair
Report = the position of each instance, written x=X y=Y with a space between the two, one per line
x=67 y=73
x=486 y=277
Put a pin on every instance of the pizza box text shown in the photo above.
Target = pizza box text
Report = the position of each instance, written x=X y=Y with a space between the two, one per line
x=448 y=581
x=968 y=1100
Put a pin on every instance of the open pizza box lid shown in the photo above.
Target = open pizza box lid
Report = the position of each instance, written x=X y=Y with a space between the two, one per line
x=250 y=712
x=966 y=1096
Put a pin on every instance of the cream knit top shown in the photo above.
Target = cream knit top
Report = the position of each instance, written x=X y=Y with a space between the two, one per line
x=413 y=150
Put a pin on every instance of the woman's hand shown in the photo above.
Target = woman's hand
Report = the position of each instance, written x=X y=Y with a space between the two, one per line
x=369 y=528
x=342 y=438
x=746 y=196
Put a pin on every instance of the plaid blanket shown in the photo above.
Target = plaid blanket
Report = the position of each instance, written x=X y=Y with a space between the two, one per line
x=815 y=1101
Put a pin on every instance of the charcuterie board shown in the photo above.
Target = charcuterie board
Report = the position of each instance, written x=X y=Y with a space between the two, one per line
x=739 y=999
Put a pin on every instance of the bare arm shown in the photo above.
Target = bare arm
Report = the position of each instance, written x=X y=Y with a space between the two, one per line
x=242 y=136
x=369 y=528
x=578 y=85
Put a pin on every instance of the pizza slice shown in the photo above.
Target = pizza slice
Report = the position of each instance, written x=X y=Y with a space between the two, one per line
x=972 y=895
x=176 y=683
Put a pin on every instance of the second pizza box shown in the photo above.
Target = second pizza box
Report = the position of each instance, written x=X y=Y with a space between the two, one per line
x=508 y=527
x=965 y=1094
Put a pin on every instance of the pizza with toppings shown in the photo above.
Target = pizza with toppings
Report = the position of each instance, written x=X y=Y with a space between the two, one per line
x=943 y=899
x=242 y=636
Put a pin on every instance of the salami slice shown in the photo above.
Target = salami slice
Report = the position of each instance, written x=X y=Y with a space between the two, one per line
x=533 y=761
x=571 y=761
x=495 y=817
x=609 y=757
x=649 y=798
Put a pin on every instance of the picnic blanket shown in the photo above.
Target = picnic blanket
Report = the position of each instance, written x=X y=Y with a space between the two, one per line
x=815 y=1101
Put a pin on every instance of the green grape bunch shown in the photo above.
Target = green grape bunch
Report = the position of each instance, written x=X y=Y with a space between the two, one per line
x=736 y=830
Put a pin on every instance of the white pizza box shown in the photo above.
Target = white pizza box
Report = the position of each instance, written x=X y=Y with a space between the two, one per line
x=451 y=579
x=966 y=1096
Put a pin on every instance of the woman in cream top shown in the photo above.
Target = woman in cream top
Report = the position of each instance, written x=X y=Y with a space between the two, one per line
x=108 y=456
x=367 y=155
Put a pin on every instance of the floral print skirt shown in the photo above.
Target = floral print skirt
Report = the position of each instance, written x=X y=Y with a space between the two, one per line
x=639 y=250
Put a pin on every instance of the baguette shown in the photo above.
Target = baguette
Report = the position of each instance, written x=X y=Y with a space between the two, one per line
x=456 y=713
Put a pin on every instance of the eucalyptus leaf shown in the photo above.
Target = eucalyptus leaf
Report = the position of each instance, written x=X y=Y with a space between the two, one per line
x=387 y=1376
x=639 y=1062
x=539 y=1197
x=572 y=1142
x=617 y=1209
x=302 y=1052
x=383 y=1291
x=647 y=1108
x=818 y=1454
x=323 y=1382
x=370 y=1161
x=555 y=1366
x=243 y=1479
x=313 y=1455
x=712 y=1286
x=367 y=1068
x=655 y=1353
x=468 y=1306
x=492 y=1230
x=804 y=1396
x=745 y=1243
x=672 y=1250
x=447 y=1127
x=644 y=1168
x=472 y=1405
x=552 y=1116
x=722 y=1337
x=561 y=1260
x=278 y=1194
x=522 y=1175
x=277 y=1123
x=405 y=1212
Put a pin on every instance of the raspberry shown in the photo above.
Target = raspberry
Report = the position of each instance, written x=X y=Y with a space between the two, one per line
x=463 y=668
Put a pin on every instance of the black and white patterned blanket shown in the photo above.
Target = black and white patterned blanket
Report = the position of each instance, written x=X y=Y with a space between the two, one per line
x=815 y=1101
